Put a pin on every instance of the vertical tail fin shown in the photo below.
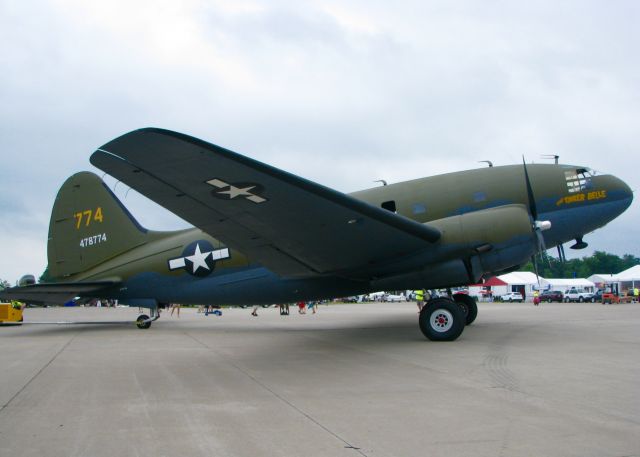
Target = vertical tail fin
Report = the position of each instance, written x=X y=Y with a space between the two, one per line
x=88 y=226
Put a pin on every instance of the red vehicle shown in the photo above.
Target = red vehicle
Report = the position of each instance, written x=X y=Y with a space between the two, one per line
x=612 y=294
x=551 y=295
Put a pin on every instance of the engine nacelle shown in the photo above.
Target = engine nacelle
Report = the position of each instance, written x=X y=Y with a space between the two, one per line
x=495 y=238
x=472 y=245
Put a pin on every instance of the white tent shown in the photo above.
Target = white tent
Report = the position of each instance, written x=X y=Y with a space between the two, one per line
x=601 y=279
x=524 y=282
x=630 y=274
x=631 y=277
x=564 y=284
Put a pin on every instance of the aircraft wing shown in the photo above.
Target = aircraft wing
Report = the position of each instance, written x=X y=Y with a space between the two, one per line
x=53 y=292
x=291 y=225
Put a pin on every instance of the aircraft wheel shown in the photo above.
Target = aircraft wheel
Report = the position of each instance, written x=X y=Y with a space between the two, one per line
x=442 y=320
x=469 y=307
x=141 y=321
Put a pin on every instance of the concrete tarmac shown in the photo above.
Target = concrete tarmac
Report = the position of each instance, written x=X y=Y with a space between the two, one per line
x=352 y=380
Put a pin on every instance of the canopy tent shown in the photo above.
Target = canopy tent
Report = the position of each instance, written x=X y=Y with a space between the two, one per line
x=492 y=281
x=600 y=279
x=520 y=277
x=564 y=284
x=630 y=274
x=487 y=290
x=630 y=278
x=524 y=282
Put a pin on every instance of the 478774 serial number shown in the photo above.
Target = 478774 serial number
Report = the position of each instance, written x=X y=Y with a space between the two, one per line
x=93 y=240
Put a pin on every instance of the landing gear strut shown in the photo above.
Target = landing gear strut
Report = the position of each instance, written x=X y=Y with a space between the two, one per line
x=442 y=319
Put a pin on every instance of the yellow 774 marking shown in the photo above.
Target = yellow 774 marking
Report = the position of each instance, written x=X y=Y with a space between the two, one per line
x=89 y=216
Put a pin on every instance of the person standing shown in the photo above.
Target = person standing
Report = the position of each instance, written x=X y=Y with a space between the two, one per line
x=419 y=299
x=254 y=312
x=174 y=307
x=302 y=308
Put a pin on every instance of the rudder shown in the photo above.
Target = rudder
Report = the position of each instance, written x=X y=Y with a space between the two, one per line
x=88 y=226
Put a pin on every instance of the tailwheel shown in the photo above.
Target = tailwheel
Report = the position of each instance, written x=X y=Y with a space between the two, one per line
x=469 y=307
x=442 y=320
x=143 y=321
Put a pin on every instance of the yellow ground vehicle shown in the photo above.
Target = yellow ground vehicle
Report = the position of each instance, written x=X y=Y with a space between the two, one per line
x=10 y=314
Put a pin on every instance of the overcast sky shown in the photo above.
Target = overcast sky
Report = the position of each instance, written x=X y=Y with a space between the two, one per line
x=340 y=92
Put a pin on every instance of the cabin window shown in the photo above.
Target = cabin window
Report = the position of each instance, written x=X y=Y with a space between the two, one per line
x=578 y=180
x=418 y=208
x=389 y=205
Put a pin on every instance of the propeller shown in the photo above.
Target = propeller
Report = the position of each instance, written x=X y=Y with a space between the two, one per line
x=538 y=226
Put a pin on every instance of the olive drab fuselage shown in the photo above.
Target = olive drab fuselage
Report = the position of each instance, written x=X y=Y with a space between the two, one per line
x=483 y=216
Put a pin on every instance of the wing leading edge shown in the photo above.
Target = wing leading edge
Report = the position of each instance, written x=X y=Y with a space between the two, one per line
x=291 y=225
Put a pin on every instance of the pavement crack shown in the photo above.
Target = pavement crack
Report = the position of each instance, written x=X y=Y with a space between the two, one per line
x=44 y=367
x=347 y=444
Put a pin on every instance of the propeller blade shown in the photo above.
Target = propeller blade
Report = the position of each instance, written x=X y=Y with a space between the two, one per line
x=532 y=202
x=535 y=268
x=541 y=244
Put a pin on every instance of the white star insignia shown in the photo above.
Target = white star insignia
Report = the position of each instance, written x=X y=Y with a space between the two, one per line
x=199 y=259
x=234 y=191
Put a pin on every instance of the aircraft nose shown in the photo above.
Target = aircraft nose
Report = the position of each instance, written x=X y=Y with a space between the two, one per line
x=618 y=192
x=625 y=192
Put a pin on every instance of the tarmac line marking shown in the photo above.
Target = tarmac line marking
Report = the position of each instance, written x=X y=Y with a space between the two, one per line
x=279 y=397
x=55 y=356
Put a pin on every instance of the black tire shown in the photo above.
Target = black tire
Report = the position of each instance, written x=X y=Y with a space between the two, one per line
x=580 y=299
x=141 y=321
x=566 y=300
x=442 y=320
x=549 y=301
x=469 y=307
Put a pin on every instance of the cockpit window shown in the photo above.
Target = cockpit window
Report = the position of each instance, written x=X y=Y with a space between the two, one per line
x=578 y=180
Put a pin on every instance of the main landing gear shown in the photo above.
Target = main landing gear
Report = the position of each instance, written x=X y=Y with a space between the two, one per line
x=469 y=307
x=443 y=319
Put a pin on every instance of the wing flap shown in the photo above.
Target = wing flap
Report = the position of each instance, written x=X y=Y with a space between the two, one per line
x=291 y=225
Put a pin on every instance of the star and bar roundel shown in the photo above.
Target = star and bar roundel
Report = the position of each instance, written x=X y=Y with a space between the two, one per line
x=241 y=191
x=198 y=258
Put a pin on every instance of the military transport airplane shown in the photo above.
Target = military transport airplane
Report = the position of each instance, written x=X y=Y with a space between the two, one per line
x=262 y=235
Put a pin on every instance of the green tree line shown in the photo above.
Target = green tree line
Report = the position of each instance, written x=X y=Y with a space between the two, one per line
x=598 y=263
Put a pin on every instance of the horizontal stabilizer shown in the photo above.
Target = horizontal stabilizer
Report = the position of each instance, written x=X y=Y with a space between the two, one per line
x=55 y=293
